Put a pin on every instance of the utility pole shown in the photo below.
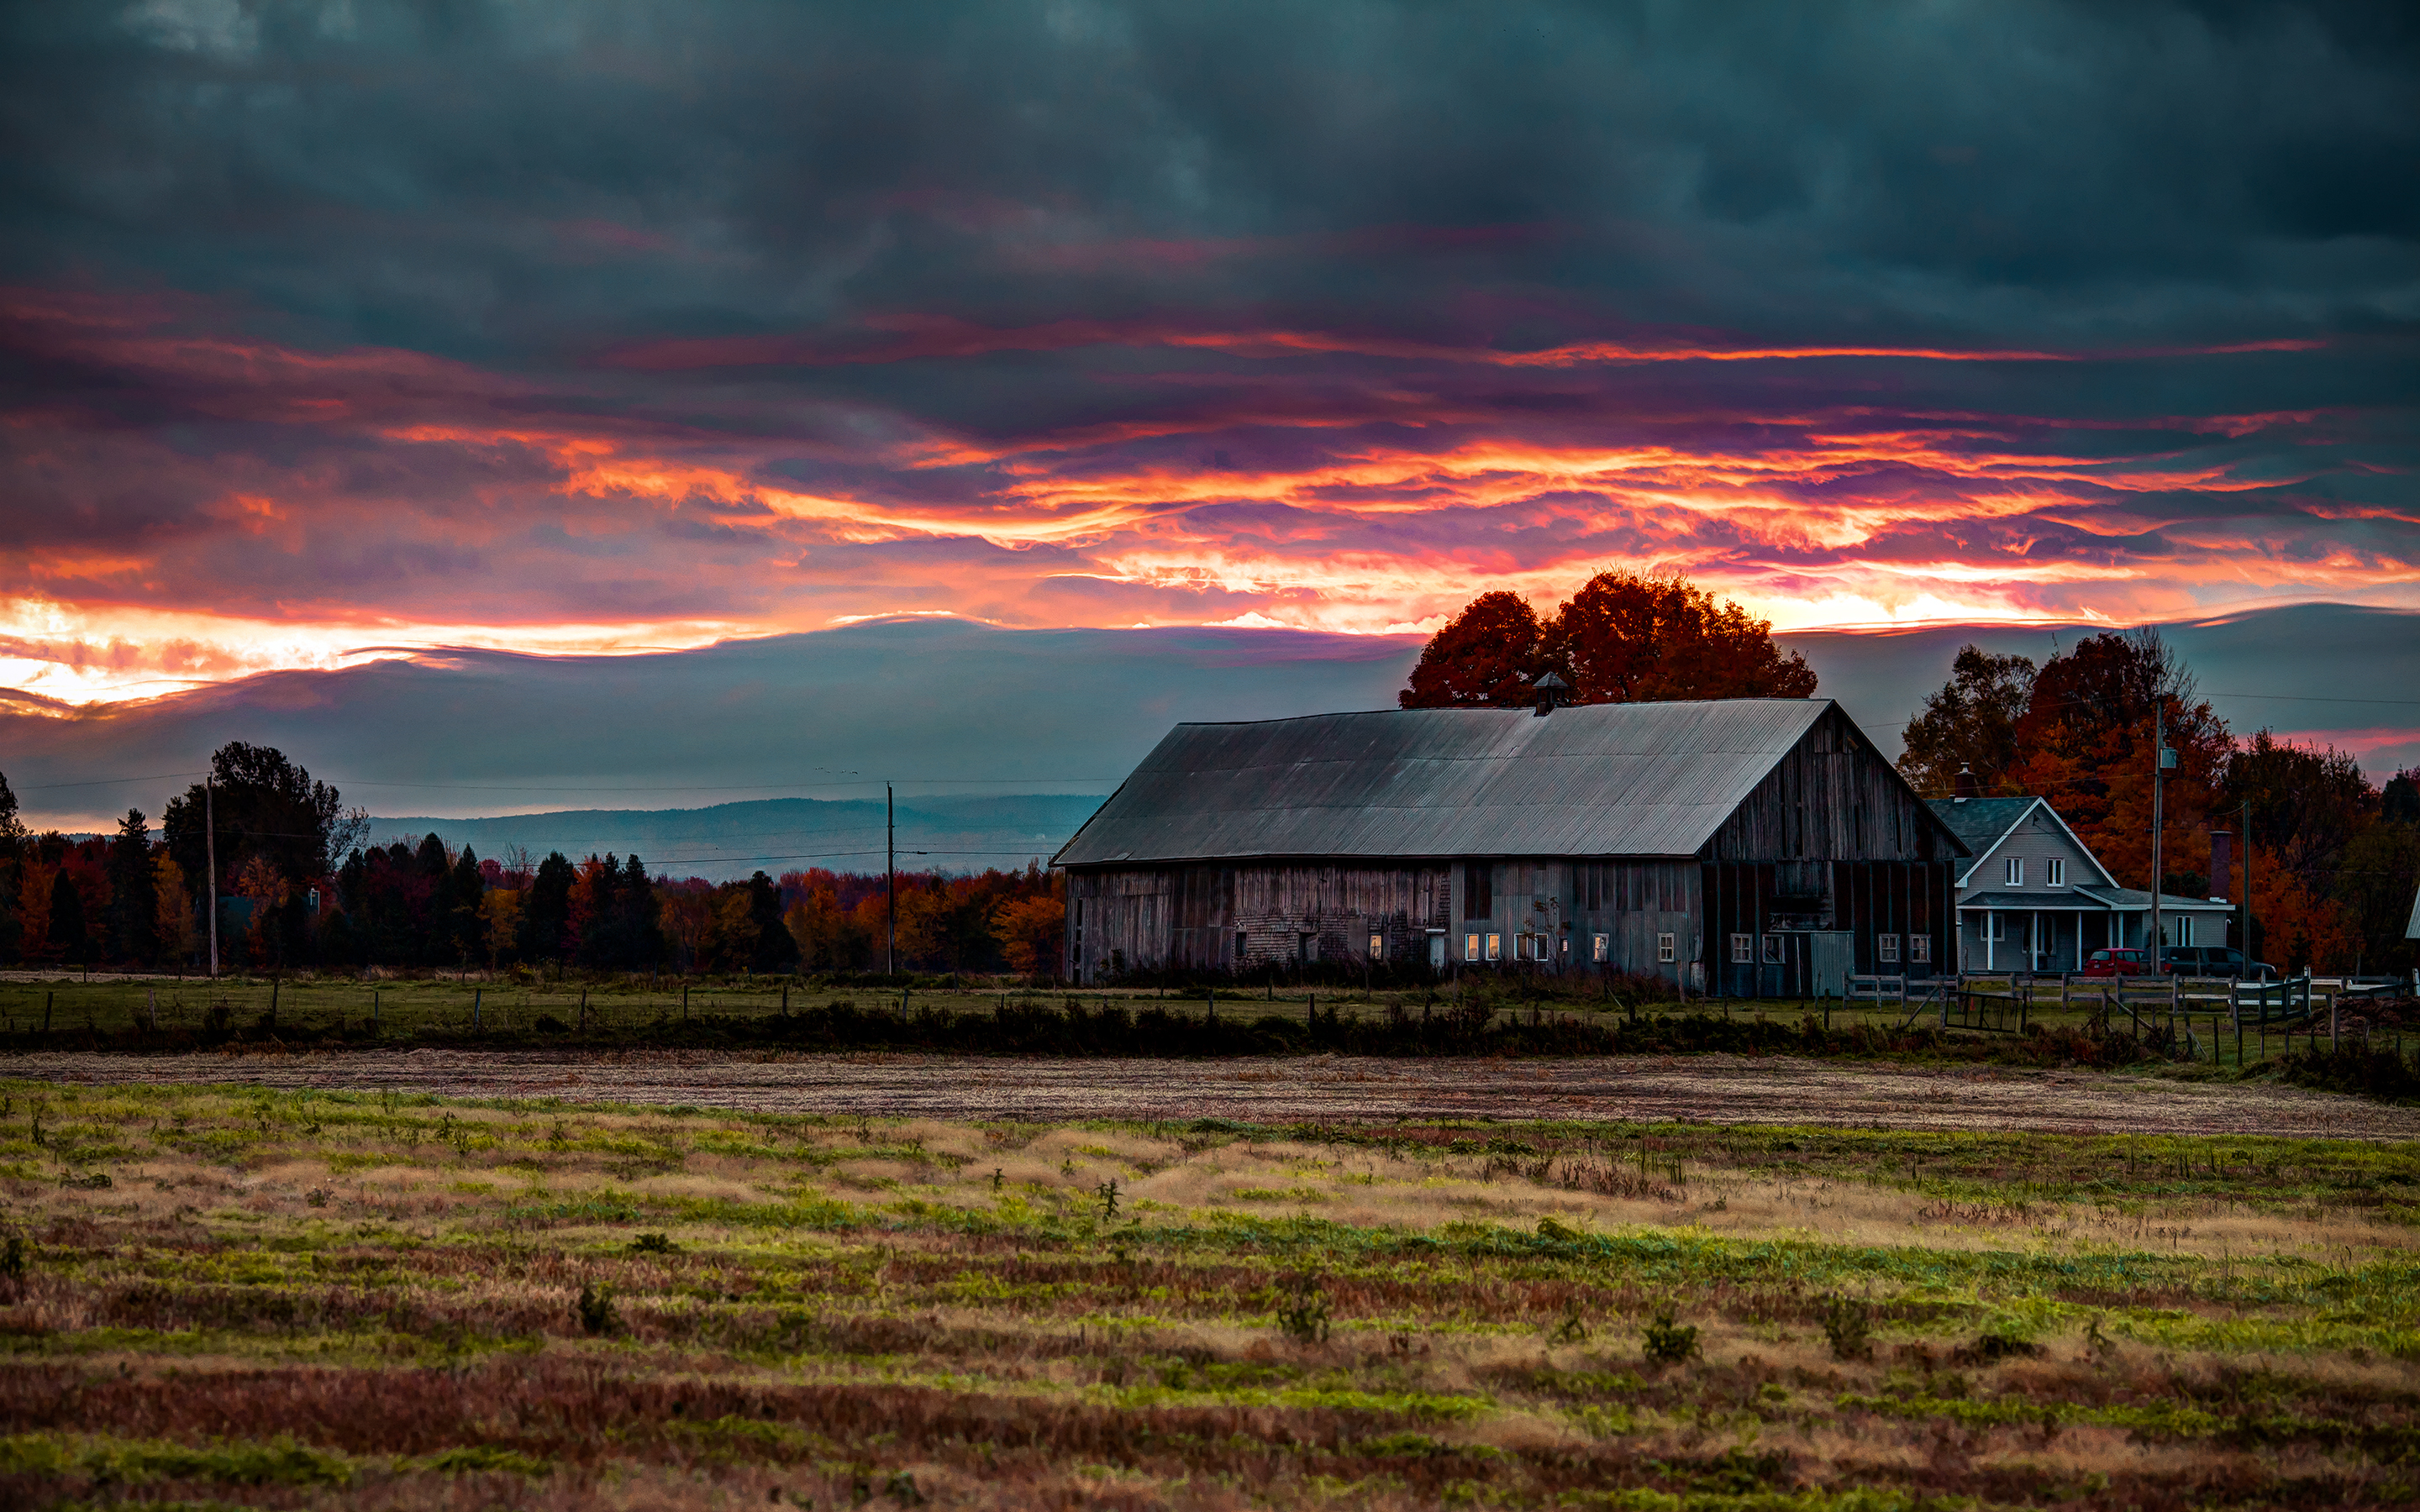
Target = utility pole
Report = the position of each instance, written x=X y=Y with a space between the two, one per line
x=2159 y=777
x=211 y=850
x=891 y=884
x=2244 y=885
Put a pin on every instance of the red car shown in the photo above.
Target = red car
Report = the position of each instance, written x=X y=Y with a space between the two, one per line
x=2119 y=960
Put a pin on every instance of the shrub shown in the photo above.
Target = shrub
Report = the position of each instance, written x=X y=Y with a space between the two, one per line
x=1670 y=1342
x=654 y=1244
x=596 y=1308
x=549 y=1023
x=1303 y=1315
x=1849 y=1325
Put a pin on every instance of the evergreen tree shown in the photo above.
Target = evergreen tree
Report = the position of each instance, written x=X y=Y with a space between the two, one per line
x=133 y=895
x=435 y=945
x=469 y=887
x=641 y=916
x=12 y=852
x=599 y=913
x=68 y=938
x=546 y=913
x=772 y=949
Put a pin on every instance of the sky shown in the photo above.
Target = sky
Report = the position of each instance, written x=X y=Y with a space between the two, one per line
x=967 y=719
x=333 y=331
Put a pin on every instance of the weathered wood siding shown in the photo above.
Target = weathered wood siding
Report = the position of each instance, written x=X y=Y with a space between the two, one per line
x=1221 y=918
x=1831 y=797
x=1832 y=840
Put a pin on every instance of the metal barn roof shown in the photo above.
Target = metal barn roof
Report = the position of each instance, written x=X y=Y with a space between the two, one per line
x=1645 y=780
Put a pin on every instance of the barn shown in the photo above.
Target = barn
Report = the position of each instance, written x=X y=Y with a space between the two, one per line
x=1759 y=844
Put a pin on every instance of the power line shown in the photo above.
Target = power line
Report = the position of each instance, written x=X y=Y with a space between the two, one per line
x=758 y=787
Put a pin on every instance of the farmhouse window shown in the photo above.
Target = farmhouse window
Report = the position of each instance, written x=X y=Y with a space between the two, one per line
x=2015 y=872
x=1377 y=947
x=2055 y=874
x=1663 y=948
x=1600 y=947
x=1886 y=946
x=1742 y=949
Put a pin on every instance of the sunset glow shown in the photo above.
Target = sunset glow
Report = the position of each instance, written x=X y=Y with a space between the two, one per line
x=1048 y=356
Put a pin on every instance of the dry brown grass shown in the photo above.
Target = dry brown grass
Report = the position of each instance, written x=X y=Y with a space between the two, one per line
x=371 y=1302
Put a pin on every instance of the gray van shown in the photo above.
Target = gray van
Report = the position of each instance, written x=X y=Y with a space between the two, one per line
x=2213 y=961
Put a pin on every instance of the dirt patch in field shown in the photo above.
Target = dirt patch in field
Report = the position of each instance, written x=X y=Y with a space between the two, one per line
x=1709 y=1088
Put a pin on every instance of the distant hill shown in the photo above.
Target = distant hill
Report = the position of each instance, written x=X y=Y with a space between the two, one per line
x=948 y=833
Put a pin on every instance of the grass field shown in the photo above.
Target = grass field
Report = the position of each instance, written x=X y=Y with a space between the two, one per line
x=213 y=1297
x=348 y=1010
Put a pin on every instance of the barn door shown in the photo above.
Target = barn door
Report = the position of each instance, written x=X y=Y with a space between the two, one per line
x=1832 y=953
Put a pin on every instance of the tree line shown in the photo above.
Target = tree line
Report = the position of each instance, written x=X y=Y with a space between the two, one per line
x=300 y=888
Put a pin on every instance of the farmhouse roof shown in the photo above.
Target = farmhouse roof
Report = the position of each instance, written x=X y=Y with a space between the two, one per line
x=1649 y=780
x=1978 y=822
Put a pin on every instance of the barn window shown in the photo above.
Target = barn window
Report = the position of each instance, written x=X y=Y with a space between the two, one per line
x=1600 y=947
x=1470 y=947
x=1663 y=947
x=1886 y=946
x=1742 y=949
x=1478 y=889
x=1495 y=947
x=1919 y=949
x=1772 y=950
x=1377 y=947
x=1243 y=945
x=1306 y=946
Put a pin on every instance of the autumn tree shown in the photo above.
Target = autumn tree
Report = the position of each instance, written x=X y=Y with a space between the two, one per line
x=1486 y=656
x=1623 y=637
x=1629 y=639
x=1969 y=724
x=2307 y=804
x=133 y=896
x=1032 y=932
x=172 y=915
x=2085 y=743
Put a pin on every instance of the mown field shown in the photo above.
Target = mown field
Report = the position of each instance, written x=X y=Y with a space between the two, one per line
x=223 y=1297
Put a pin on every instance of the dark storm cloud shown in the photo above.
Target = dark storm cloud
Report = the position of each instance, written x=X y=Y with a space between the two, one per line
x=697 y=319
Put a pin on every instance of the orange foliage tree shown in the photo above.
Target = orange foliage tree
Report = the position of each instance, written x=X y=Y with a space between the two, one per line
x=2085 y=743
x=1625 y=638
